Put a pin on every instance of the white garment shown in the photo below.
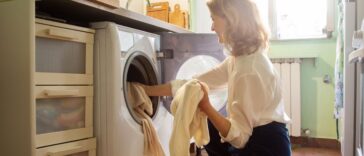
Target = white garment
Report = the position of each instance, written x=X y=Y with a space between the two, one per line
x=142 y=106
x=188 y=121
x=254 y=94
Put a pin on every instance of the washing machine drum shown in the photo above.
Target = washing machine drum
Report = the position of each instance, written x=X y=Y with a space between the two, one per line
x=139 y=68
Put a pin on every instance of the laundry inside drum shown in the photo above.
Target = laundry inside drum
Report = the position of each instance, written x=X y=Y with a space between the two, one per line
x=140 y=69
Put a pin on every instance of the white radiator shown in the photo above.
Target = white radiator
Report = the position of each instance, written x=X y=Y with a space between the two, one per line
x=289 y=70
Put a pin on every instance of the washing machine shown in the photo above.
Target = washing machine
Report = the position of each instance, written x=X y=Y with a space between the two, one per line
x=124 y=54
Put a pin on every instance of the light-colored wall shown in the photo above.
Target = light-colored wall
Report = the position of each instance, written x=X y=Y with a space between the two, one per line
x=139 y=6
x=200 y=17
x=16 y=68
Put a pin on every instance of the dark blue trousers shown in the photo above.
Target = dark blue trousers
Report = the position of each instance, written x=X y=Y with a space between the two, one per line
x=268 y=140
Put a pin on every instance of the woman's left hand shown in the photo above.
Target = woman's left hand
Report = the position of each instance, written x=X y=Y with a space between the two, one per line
x=205 y=102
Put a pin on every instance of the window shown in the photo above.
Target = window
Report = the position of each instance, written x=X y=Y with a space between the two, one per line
x=298 y=19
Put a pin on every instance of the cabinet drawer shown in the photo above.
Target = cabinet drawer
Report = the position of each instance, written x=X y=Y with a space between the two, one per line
x=63 y=113
x=63 y=55
x=78 y=148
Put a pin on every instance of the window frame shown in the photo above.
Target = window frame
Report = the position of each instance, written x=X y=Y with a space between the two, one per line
x=328 y=30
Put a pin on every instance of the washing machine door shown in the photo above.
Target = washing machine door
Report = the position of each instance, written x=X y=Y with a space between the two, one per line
x=139 y=65
x=193 y=54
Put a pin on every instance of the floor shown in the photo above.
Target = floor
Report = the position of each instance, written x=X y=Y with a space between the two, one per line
x=310 y=151
x=302 y=151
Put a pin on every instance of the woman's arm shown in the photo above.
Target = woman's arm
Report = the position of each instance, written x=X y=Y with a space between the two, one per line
x=158 y=90
x=220 y=122
x=217 y=77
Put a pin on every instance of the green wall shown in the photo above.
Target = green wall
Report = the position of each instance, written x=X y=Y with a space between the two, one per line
x=317 y=97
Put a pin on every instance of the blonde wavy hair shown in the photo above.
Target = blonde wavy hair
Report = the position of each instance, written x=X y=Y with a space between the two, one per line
x=244 y=31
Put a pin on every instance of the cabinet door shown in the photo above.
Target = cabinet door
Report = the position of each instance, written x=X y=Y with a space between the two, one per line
x=63 y=56
x=78 y=148
x=63 y=113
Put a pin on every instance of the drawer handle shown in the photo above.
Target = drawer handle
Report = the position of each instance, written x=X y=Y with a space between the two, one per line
x=61 y=34
x=61 y=93
x=65 y=151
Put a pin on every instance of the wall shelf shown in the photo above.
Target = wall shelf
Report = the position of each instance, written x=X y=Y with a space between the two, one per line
x=83 y=12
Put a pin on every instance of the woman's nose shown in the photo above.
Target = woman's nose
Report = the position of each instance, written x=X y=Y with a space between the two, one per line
x=212 y=28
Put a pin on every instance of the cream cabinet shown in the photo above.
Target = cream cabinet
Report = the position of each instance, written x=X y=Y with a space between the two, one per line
x=63 y=113
x=63 y=54
x=19 y=74
x=78 y=148
x=63 y=89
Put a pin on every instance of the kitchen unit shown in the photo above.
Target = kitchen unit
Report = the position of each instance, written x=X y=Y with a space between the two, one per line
x=63 y=89
x=20 y=82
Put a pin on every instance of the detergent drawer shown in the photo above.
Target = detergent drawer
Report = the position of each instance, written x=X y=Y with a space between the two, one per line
x=63 y=113
x=78 y=148
x=63 y=55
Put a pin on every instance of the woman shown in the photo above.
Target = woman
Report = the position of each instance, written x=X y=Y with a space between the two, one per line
x=255 y=122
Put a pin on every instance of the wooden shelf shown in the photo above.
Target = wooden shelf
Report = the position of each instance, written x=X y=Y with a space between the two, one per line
x=83 y=12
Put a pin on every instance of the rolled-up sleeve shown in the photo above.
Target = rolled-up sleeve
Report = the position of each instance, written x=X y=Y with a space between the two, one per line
x=249 y=98
x=217 y=77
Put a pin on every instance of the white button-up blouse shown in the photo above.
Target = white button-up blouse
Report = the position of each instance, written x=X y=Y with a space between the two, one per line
x=254 y=94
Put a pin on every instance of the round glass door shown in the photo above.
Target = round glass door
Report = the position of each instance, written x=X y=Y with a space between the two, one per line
x=197 y=65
